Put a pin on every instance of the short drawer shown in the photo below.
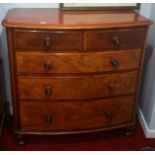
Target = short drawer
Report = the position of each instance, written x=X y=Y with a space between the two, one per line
x=74 y=116
x=47 y=40
x=29 y=62
x=114 y=39
x=76 y=87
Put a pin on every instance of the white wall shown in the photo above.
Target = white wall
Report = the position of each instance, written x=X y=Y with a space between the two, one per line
x=145 y=9
x=4 y=7
x=147 y=105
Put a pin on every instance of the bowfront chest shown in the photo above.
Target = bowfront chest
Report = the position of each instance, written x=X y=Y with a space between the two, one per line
x=74 y=71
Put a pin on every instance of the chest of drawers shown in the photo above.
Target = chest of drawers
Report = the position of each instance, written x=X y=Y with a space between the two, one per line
x=72 y=73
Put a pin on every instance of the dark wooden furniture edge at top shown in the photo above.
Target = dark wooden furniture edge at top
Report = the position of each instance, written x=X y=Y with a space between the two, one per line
x=137 y=7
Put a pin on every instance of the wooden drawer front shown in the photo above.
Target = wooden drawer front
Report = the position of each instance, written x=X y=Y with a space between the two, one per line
x=47 y=40
x=71 y=116
x=28 y=63
x=78 y=87
x=114 y=39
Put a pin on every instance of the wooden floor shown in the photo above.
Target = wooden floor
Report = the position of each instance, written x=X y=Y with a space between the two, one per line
x=113 y=140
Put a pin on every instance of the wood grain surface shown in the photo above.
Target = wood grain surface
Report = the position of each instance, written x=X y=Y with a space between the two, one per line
x=76 y=87
x=47 y=40
x=48 y=63
x=57 y=19
x=71 y=116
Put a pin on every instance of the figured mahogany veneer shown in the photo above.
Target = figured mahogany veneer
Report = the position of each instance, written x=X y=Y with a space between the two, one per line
x=74 y=116
x=50 y=63
x=47 y=40
x=76 y=87
x=74 y=71
x=114 y=39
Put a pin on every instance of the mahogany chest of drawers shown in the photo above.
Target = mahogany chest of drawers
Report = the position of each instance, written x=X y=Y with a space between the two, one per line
x=74 y=71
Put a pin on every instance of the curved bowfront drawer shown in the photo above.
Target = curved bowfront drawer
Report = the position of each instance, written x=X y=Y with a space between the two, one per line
x=114 y=39
x=29 y=62
x=47 y=40
x=74 y=116
x=76 y=87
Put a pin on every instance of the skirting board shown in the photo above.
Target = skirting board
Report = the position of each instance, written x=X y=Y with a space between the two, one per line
x=149 y=133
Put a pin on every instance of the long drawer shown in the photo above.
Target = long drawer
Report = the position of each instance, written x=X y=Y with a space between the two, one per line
x=30 y=62
x=71 y=116
x=114 y=39
x=47 y=40
x=76 y=87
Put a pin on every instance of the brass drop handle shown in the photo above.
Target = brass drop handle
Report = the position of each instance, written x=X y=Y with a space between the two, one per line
x=47 y=65
x=48 y=90
x=111 y=86
x=114 y=62
x=47 y=42
x=116 y=40
x=108 y=114
x=48 y=119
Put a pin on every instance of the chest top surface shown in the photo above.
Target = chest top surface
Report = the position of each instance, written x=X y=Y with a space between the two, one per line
x=58 y=19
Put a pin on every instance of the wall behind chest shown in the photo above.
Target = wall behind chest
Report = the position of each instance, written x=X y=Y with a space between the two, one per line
x=147 y=104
